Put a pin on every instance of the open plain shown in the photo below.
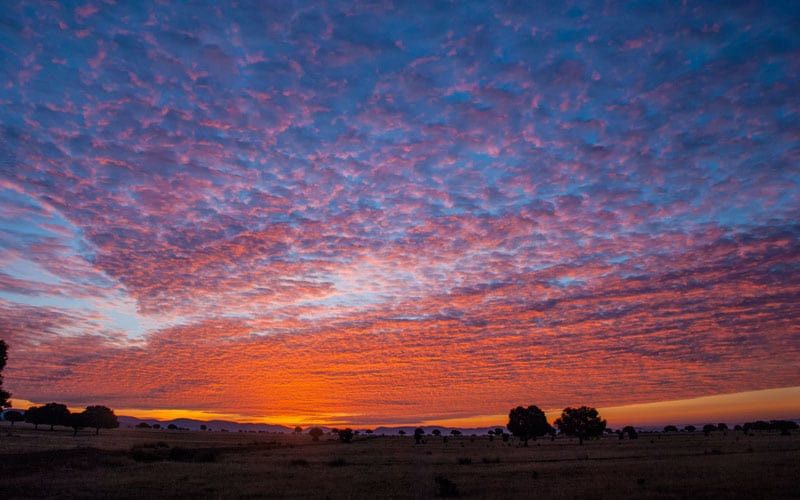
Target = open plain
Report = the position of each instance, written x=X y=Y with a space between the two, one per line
x=147 y=463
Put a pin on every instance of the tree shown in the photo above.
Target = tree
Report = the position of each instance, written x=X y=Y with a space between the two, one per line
x=77 y=421
x=315 y=433
x=298 y=430
x=455 y=432
x=690 y=428
x=172 y=427
x=436 y=432
x=203 y=427
x=144 y=425
x=583 y=422
x=630 y=431
x=670 y=428
x=13 y=416
x=346 y=435
x=100 y=417
x=709 y=428
x=4 y=395
x=722 y=427
x=35 y=416
x=401 y=432
x=55 y=414
x=527 y=423
x=418 y=433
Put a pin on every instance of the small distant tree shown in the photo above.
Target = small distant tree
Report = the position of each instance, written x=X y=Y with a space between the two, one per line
x=156 y=426
x=143 y=425
x=100 y=417
x=527 y=423
x=369 y=431
x=436 y=432
x=173 y=427
x=722 y=427
x=203 y=427
x=418 y=433
x=4 y=395
x=709 y=428
x=455 y=432
x=737 y=427
x=630 y=431
x=690 y=428
x=346 y=435
x=583 y=422
x=670 y=428
x=13 y=416
x=401 y=432
x=298 y=430
x=315 y=433
x=55 y=414
x=498 y=431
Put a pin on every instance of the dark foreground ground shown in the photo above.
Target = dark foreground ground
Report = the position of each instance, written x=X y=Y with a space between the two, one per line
x=144 y=463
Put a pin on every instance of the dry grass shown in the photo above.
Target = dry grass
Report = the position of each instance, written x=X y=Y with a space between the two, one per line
x=127 y=463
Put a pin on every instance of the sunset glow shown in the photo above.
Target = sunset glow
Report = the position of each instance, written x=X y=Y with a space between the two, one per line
x=396 y=213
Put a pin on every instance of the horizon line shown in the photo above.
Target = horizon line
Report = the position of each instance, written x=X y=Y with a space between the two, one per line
x=737 y=407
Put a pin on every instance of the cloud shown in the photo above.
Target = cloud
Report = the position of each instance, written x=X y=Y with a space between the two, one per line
x=485 y=203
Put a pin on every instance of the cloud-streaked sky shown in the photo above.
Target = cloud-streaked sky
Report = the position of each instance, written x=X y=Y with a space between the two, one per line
x=398 y=211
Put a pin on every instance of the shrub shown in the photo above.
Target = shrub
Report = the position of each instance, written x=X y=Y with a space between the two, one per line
x=445 y=487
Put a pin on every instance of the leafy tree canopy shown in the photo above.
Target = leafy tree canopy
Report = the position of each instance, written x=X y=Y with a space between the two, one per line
x=583 y=422
x=527 y=423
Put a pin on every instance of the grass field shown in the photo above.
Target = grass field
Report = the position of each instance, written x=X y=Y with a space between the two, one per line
x=145 y=463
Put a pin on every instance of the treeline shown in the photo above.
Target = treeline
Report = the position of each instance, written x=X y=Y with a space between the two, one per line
x=94 y=417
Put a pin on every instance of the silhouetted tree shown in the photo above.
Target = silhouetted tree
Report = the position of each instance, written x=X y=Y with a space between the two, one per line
x=77 y=421
x=418 y=433
x=498 y=431
x=369 y=431
x=4 y=395
x=527 y=423
x=13 y=416
x=298 y=430
x=173 y=427
x=401 y=432
x=709 y=428
x=630 y=431
x=143 y=425
x=455 y=432
x=346 y=435
x=722 y=427
x=100 y=417
x=583 y=422
x=156 y=426
x=35 y=416
x=436 y=432
x=315 y=433
x=55 y=414
x=737 y=427
x=690 y=428
x=670 y=428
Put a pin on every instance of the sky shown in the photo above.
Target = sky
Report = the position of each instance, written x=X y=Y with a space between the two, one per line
x=400 y=212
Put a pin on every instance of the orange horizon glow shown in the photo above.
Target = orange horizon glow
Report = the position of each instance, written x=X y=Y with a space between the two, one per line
x=768 y=404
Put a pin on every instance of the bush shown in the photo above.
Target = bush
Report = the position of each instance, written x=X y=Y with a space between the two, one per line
x=445 y=487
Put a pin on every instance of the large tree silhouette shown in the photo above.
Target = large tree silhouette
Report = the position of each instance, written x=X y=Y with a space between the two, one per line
x=583 y=422
x=527 y=423
x=99 y=417
x=4 y=395
x=55 y=414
